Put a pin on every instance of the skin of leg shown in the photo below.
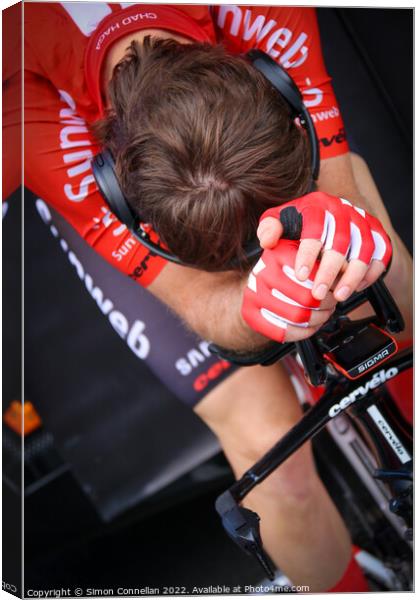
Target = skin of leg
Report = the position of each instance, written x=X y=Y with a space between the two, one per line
x=301 y=529
x=400 y=276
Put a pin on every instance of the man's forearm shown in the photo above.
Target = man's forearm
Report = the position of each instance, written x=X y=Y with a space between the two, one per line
x=348 y=176
x=223 y=324
x=209 y=304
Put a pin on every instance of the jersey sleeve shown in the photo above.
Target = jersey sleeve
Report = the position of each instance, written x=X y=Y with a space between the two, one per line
x=58 y=150
x=291 y=37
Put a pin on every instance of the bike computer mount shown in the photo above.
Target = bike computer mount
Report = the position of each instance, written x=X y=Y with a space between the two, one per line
x=351 y=347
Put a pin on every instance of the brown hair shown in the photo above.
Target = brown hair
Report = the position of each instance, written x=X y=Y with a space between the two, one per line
x=203 y=145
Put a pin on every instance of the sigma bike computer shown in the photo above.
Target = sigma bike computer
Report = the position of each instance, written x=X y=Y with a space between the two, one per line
x=357 y=347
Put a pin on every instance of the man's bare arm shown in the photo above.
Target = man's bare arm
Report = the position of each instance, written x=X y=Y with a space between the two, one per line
x=210 y=305
x=340 y=176
x=348 y=176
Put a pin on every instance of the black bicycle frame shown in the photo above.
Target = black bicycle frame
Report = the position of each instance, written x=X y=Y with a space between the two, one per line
x=317 y=417
x=342 y=394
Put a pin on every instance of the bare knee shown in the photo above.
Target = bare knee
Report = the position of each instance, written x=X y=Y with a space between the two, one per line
x=250 y=401
x=295 y=480
x=249 y=414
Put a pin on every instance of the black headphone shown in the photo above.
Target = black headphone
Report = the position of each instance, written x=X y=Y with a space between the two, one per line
x=103 y=164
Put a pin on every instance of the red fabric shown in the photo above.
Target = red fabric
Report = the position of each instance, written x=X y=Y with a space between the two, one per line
x=402 y=388
x=340 y=226
x=62 y=97
x=353 y=579
x=291 y=37
x=274 y=298
x=12 y=99
x=191 y=21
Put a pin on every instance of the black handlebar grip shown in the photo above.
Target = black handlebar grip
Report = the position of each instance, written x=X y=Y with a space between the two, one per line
x=385 y=306
x=312 y=360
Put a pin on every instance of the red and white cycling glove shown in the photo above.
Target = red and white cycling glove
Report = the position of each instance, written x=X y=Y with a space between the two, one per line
x=274 y=298
x=338 y=224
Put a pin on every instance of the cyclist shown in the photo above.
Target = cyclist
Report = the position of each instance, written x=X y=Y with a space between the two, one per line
x=67 y=74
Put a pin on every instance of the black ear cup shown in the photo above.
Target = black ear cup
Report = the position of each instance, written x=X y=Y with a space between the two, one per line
x=103 y=167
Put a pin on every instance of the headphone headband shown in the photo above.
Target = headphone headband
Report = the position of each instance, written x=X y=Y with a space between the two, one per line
x=103 y=167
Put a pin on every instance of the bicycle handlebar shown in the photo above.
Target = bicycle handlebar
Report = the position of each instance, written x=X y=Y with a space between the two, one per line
x=387 y=316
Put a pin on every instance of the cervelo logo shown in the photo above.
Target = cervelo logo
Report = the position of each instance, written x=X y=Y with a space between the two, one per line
x=134 y=335
x=377 y=380
x=389 y=434
x=72 y=142
x=280 y=42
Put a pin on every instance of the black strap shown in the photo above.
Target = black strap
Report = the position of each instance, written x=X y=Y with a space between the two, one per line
x=103 y=167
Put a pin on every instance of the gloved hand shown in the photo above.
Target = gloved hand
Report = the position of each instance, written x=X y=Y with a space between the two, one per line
x=343 y=232
x=276 y=304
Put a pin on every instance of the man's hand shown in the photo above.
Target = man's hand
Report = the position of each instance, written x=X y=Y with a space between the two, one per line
x=279 y=306
x=349 y=238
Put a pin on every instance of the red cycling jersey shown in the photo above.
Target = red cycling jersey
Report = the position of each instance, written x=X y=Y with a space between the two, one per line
x=65 y=48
